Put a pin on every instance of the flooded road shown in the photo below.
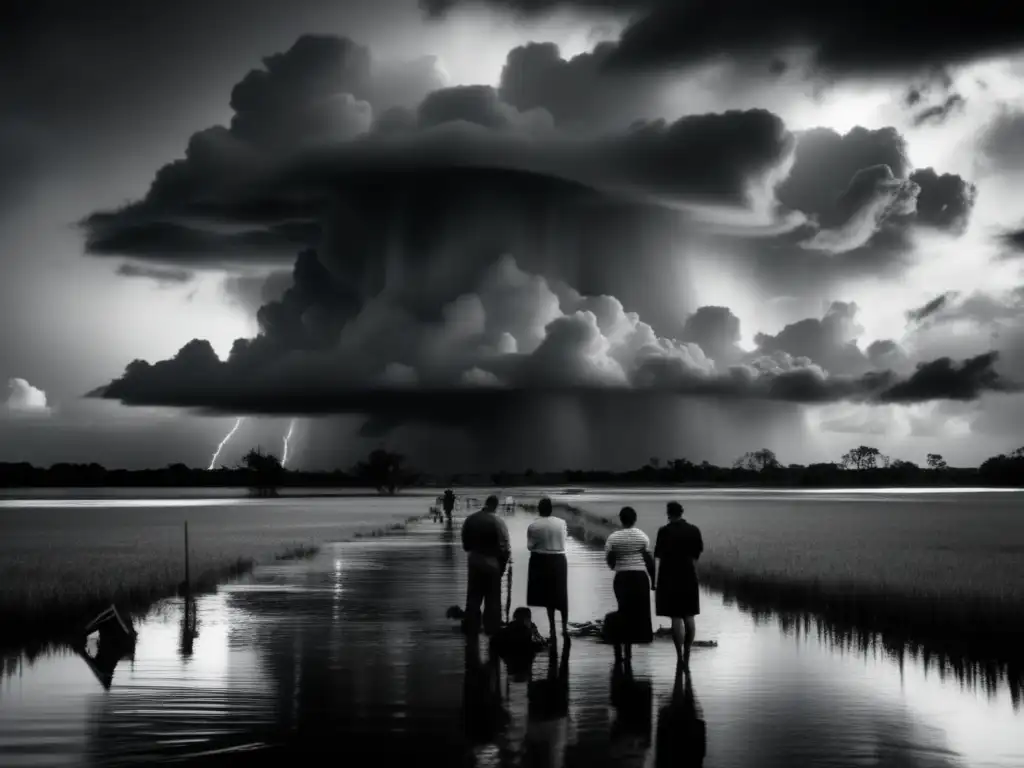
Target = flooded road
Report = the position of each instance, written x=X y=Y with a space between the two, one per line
x=349 y=656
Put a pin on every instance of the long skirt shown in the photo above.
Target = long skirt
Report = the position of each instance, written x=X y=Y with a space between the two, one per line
x=633 y=619
x=547 y=582
x=678 y=594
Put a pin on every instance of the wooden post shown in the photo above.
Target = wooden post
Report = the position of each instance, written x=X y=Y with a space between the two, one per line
x=188 y=586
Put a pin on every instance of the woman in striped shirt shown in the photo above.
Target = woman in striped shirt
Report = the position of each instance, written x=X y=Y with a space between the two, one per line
x=628 y=552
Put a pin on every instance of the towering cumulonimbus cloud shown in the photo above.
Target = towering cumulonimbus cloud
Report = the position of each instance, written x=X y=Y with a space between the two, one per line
x=513 y=338
x=422 y=195
x=468 y=251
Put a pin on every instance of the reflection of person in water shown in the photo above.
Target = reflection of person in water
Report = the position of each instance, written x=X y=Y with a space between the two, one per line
x=547 y=732
x=682 y=733
x=631 y=729
x=483 y=713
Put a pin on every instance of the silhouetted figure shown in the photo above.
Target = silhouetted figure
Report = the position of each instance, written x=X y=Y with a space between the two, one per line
x=448 y=503
x=547 y=730
x=547 y=583
x=628 y=553
x=682 y=732
x=518 y=641
x=677 y=595
x=485 y=538
x=633 y=701
x=483 y=712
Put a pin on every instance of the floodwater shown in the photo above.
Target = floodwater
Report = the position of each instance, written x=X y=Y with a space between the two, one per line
x=349 y=657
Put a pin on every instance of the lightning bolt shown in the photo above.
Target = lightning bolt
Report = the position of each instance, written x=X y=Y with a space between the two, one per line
x=287 y=437
x=228 y=436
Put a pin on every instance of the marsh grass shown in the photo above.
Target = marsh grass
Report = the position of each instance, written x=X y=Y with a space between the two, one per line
x=59 y=566
x=934 y=579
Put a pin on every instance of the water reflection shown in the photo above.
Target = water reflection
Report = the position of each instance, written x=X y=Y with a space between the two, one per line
x=682 y=733
x=102 y=654
x=632 y=699
x=484 y=716
x=189 y=627
x=547 y=732
x=350 y=656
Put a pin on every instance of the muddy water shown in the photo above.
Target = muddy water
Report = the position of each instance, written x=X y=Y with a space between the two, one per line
x=349 y=657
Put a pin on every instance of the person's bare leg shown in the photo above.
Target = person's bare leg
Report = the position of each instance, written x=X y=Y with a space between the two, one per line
x=677 y=637
x=565 y=623
x=551 y=623
x=691 y=630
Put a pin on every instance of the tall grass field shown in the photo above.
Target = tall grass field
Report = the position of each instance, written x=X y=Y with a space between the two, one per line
x=945 y=570
x=63 y=560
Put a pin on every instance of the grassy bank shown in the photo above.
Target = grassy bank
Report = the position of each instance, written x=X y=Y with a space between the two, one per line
x=938 y=582
x=59 y=565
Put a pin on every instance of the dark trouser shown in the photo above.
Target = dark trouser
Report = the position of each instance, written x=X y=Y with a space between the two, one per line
x=483 y=584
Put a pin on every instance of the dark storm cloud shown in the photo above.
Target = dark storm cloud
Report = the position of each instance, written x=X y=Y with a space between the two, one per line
x=410 y=301
x=577 y=91
x=510 y=340
x=180 y=244
x=863 y=201
x=948 y=380
x=716 y=330
x=931 y=307
x=831 y=341
x=945 y=201
x=939 y=113
x=429 y=192
x=846 y=38
x=827 y=162
x=299 y=143
x=1014 y=241
x=253 y=291
x=162 y=276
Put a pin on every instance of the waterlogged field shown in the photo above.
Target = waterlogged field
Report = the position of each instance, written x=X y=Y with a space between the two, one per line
x=60 y=559
x=949 y=563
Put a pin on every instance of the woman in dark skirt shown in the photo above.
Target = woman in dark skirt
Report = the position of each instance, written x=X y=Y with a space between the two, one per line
x=677 y=596
x=628 y=551
x=547 y=582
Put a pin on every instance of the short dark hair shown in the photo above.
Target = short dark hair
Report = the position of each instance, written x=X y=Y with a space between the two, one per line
x=544 y=507
x=627 y=516
x=491 y=503
x=674 y=509
x=522 y=613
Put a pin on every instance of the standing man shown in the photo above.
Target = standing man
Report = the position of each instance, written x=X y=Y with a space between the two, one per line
x=485 y=538
x=677 y=595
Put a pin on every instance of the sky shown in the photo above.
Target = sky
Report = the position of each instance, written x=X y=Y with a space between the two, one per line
x=510 y=233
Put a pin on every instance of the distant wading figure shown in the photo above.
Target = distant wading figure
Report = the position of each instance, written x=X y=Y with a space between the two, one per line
x=677 y=596
x=485 y=538
x=628 y=552
x=547 y=581
x=448 y=502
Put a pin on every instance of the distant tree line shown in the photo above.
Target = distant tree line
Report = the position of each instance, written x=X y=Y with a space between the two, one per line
x=387 y=473
x=262 y=473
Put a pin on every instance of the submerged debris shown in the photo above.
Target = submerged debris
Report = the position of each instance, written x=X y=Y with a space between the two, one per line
x=595 y=629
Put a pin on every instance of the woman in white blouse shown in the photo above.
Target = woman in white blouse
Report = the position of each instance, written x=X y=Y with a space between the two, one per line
x=547 y=582
x=628 y=551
